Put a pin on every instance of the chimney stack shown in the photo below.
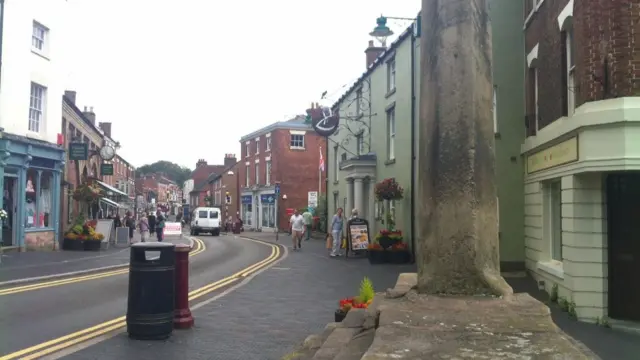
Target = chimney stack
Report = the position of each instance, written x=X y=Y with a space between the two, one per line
x=230 y=160
x=106 y=128
x=90 y=115
x=70 y=95
x=200 y=163
x=372 y=52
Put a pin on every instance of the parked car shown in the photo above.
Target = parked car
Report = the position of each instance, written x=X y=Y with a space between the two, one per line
x=206 y=220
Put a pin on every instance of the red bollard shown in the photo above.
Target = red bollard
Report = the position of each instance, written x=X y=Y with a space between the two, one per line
x=182 y=318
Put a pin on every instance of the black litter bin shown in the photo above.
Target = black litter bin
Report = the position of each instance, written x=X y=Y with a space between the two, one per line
x=151 y=291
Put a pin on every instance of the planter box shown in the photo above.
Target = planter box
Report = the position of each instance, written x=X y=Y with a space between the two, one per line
x=92 y=245
x=73 y=244
x=339 y=316
x=378 y=257
x=399 y=257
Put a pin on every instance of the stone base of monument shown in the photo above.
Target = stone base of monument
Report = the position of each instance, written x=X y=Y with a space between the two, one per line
x=402 y=324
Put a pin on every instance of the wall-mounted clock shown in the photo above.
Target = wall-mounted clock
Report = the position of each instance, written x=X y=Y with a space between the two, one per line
x=107 y=152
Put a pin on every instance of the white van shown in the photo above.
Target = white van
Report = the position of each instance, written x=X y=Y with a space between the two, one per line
x=206 y=219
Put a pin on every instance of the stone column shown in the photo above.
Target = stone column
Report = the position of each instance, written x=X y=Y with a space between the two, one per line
x=358 y=195
x=457 y=235
x=347 y=211
x=371 y=197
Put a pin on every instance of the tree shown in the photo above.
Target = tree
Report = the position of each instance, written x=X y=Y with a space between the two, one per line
x=172 y=171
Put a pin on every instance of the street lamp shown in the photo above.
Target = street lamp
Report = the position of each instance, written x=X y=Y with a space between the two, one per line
x=381 y=32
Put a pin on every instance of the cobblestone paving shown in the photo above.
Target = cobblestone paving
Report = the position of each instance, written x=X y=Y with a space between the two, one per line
x=267 y=317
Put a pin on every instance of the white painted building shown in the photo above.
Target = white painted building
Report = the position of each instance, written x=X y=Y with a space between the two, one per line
x=188 y=188
x=31 y=88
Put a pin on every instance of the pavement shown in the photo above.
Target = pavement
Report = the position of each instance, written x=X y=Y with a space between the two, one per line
x=265 y=318
x=45 y=312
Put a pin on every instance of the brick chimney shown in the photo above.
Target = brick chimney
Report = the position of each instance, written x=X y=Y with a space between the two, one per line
x=230 y=160
x=106 y=127
x=373 y=52
x=70 y=95
x=90 y=115
x=200 y=163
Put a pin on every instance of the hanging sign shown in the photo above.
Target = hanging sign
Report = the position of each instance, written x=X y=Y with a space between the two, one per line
x=78 y=151
x=323 y=120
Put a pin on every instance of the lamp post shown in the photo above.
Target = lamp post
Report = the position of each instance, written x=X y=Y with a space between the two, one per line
x=381 y=32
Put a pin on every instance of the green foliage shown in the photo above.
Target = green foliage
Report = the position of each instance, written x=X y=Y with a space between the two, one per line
x=366 y=290
x=172 y=171
x=321 y=212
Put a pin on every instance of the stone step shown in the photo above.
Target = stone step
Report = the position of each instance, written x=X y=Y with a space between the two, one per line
x=338 y=339
x=357 y=347
x=311 y=344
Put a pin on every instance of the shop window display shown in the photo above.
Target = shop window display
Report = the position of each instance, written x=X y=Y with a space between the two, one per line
x=38 y=199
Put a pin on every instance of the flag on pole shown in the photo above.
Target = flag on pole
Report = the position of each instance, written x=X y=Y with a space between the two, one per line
x=321 y=160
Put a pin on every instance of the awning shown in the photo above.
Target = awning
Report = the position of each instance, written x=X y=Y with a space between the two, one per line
x=111 y=188
x=110 y=202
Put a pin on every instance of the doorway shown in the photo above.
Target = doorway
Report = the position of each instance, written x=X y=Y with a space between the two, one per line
x=10 y=205
x=623 y=223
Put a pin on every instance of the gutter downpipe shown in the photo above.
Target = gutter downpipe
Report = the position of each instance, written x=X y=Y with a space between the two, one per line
x=1 y=35
x=413 y=143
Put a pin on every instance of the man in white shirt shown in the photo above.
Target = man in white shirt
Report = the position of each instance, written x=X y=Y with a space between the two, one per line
x=297 y=229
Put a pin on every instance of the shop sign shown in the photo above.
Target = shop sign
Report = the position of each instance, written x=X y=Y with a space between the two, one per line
x=560 y=154
x=106 y=169
x=78 y=151
x=246 y=199
x=268 y=198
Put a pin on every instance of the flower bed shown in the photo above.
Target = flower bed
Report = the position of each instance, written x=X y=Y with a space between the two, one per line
x=362 y=301
x=83 y=237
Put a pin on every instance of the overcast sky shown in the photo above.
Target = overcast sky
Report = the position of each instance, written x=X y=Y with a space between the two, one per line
x=184 y=80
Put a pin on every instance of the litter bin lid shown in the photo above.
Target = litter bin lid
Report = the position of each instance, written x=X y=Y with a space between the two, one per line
x=152 y=245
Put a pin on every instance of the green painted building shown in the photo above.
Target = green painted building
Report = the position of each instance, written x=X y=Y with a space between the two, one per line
x=378 y=137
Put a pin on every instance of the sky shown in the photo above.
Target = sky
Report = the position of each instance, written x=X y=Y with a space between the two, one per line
x=185 y=80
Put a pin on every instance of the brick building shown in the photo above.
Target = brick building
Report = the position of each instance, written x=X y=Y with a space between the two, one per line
x=582 y=158
x=201 y=176
x=287 y=152
x=225 y=184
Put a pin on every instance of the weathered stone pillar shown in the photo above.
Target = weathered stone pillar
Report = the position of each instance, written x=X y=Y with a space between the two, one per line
x=358 y=195
x=347 y=211
x=457 y=240
x=371 y=197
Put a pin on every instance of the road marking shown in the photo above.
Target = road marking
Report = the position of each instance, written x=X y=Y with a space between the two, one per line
x=199 y=248
x=56 y=345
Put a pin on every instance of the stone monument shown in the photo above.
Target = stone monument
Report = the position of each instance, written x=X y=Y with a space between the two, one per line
x=457 y=237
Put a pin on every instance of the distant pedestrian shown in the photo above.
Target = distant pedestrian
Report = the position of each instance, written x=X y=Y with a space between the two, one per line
x=131 y=224
x=116 y=221
x=297 y=228
x=143 y=224
x=160 y=227
x=308 y=221
x=152 y=223
x=337 y=223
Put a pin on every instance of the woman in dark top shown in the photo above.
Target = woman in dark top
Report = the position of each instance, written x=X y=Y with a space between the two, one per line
x=116 y=221
x=152 y=223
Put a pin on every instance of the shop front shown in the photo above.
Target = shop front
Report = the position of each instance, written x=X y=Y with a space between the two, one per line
x=268 y=211
x=30 y=176
x=246 y=210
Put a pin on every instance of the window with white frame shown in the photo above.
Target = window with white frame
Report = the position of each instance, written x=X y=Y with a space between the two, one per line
x=391 y=75
x=247 y=150
x=359 y=110
x=391 y=134
x=268 y=144
x=495 y=109
x=247 y=179
x=257 y=173
x=571 y=65
x=267 y=172
x=297 y=141
x=553 y=218
x=36 y=107
x=257 y=146
x=39 y=37
x=336 y=165
x=360 y=144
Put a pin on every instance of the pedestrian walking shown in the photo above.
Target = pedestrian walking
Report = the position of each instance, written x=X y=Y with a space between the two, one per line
x=117 y=222
x=337 y=222
x=131 y=224
x=152 y=222
x=160 y=226
x=308 y=221
x=297 y=228
x=143 y=224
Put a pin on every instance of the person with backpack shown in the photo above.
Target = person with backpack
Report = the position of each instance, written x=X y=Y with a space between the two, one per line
x=159 y=226
x=131 y=224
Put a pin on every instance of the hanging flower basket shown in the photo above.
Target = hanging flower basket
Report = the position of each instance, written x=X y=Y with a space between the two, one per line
x=388 y=189
x=87 y=193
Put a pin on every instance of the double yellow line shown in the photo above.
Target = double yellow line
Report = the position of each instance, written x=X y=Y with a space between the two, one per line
x=59 y=344
x=199 y=247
